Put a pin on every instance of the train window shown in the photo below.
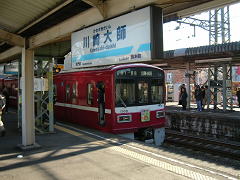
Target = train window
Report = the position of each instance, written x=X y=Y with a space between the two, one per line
x=142 y=92
x=125 y=92
x=74 y=90
x=156 y=92
x=67 y=92
x=90 y=93
x=139 y=86
x=74 y=93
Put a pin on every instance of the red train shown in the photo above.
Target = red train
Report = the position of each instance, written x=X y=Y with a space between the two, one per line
x=11 y=84
x=122 y=99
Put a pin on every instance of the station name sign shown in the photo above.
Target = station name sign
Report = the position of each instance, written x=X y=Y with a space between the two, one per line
x=133 y=37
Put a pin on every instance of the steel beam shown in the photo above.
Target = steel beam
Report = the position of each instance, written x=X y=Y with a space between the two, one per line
x=224 y=89
x=99 y=4
x=10 y=53
x=188 y=87
x=215 y=89
x=11 y=38
x=50 y=96
x=65 y=28
x=84 y=19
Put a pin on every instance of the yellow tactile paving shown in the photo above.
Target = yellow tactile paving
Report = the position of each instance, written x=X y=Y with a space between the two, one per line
x=143 y=158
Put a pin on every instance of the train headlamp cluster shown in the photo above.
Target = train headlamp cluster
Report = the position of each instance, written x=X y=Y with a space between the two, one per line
x=124 y=118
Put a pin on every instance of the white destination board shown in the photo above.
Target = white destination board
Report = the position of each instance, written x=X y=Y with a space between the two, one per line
x=124 y=39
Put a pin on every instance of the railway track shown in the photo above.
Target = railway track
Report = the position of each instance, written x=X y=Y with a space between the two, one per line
x=211 y=146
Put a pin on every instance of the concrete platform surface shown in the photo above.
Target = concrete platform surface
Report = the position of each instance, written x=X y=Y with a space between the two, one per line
x=80 y=153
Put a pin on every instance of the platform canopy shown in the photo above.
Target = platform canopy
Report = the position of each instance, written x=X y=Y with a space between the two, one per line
x=46 y=26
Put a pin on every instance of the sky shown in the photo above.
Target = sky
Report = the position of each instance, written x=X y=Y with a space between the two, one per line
x=184 y=36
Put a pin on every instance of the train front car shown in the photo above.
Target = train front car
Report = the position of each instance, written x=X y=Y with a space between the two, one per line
x=140 y=102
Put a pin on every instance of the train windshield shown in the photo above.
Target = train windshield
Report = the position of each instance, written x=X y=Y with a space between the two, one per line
x=139 y=86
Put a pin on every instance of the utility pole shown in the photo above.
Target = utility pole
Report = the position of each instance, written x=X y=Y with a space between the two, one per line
x=218 y=25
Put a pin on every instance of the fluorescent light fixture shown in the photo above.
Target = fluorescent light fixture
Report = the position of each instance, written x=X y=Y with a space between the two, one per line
x=160 y=65
x=213 y=60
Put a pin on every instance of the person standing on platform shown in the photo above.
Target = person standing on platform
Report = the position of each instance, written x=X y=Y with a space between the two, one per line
x=179 y=94
x=6 y=94
x=2 y=106
x=203 y=90
x=183 y=98
x=238 y=96
x=198 y=97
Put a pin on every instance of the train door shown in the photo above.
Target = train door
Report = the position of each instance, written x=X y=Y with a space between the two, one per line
x=101 y=103
x=68 y=100
x=143 y=92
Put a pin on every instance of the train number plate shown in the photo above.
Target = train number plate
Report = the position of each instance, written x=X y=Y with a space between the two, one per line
x=145 y=115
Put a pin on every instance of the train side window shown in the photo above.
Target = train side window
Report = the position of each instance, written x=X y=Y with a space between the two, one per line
x=74 y=91
x=67 y=92
x=90 y=93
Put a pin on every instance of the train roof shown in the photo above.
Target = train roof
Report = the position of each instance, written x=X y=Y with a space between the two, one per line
x=111 y=67
x=134 y=65
x=7 y=77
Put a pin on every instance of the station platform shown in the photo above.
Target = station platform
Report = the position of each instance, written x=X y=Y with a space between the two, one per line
x=74 y=152
x=219 y=124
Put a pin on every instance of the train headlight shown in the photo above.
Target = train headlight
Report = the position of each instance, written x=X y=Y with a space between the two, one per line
x=124 y=118
x=160 y=114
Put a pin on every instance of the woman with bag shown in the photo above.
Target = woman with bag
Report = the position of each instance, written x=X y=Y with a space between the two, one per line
x=2 y=106
x=183 y=98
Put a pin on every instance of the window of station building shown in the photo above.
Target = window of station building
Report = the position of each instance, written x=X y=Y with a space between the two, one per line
x=90 y=94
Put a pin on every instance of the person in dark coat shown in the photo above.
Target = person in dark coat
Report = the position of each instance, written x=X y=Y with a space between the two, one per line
x=238 y=96
x=198 y=97
x=183 y=98
x=203 y=102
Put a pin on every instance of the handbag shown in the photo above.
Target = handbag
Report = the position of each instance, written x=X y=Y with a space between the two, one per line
x=180 y=102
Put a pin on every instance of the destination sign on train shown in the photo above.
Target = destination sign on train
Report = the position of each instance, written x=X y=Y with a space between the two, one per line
x=124 y=39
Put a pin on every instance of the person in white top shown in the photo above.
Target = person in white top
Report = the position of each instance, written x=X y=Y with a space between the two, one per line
x=2 y=106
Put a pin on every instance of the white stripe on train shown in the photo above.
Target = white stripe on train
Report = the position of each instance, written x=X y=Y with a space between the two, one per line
x=85 y=108
x=118 y=110
x=135 y=109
